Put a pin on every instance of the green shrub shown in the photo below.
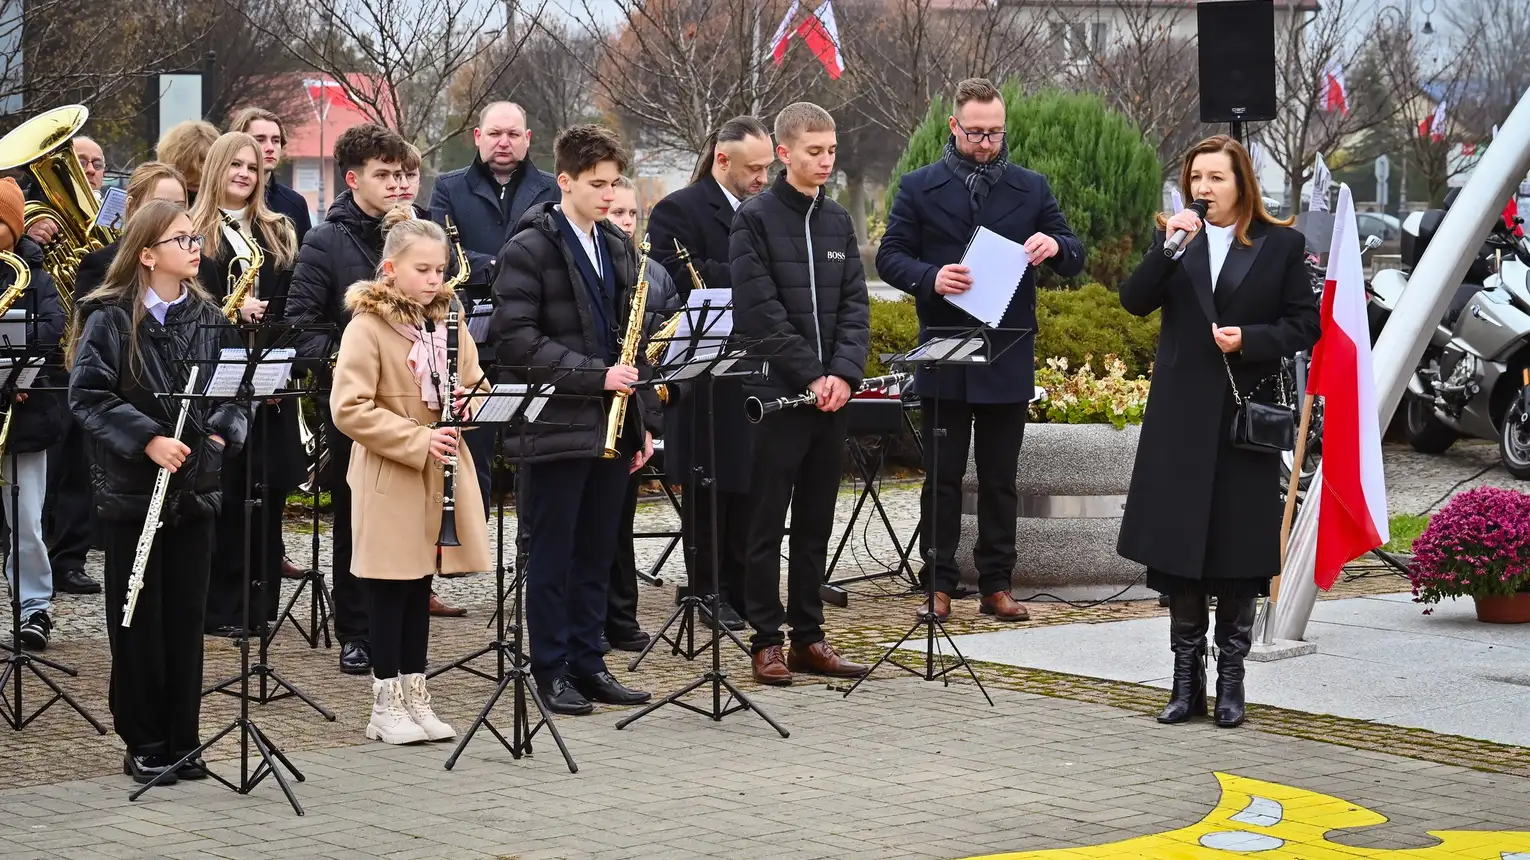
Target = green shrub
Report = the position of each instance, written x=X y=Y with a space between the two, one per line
x=894 y=329
x=1074 y=324
x=1106 y=179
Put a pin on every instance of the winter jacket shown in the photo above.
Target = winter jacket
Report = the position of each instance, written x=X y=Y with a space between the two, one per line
x=118 y=402
x=41 y=420
x=486 y=213
x=799 y=291
x=346 y=248
x=545 y=329
x=285 y=201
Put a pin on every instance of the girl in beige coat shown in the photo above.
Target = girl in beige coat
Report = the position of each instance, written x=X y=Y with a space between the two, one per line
x=387 y=395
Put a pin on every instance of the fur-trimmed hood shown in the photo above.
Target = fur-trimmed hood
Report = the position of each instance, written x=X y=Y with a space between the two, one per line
x=377 y=297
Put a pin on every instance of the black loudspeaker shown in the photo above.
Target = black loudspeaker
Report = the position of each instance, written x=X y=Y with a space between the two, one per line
x=1237 y=53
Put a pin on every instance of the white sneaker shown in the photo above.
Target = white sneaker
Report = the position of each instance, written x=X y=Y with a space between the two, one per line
x=390 y=722
x=417 y=703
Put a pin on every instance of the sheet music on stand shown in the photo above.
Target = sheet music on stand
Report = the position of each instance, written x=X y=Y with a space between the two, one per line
x=24 y=376
x=478 y=320
x=506 y=400
x=706 y=323
x=273 y=367
x=943 y=349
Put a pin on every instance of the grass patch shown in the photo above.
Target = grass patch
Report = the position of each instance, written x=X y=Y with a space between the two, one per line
x=1405 y=529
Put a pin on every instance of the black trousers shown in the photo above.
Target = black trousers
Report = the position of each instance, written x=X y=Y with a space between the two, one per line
x=622 y=591
x=994 y=432
x=733 y=516
x=225 y=589
x=798 y=457
x=400 y=614
x=156 y=684
x=480 y=443
x=571 y=511
x=69 y=512
x=349 y=595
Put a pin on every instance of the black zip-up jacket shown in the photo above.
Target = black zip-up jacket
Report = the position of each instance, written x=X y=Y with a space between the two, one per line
x=344 y=249
x=544 y=330
x=799 y=290
x=41 y=420
x=118 y=403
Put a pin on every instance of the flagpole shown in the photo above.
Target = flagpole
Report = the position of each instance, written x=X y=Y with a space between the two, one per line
x=756 y=57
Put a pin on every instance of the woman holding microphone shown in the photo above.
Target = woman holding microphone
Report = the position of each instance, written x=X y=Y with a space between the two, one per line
x=1202 y=513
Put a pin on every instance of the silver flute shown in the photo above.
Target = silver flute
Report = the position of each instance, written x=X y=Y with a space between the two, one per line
x=156 y=511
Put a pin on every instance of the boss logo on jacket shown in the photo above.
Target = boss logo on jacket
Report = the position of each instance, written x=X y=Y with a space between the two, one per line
x=836 y=256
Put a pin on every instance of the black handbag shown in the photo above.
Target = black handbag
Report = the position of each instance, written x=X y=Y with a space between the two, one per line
x=1269 y=428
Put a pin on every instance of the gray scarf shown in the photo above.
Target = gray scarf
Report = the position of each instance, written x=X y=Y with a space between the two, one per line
x=979 y=178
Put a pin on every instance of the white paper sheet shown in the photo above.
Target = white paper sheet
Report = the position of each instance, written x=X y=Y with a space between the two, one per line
x=715 y=323
x=273 y=369
x=502 y=408
x=478 y=320
x=25 y=376
x=996 y=266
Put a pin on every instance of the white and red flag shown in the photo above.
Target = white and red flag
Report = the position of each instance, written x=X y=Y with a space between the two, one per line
x=819 y=31
x=323 y=92
x=1352 y=507
x=1335 y=96
x=783 y=33
x=1433 y=126
x=1511 y=209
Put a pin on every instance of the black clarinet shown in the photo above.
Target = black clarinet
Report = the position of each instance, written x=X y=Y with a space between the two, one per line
x=448 y=536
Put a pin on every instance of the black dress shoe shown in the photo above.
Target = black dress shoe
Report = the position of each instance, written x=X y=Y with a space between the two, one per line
x=144 y=768
x=634 y=642
x=194 y=769
x=604 y=644
x=356 y=657
x=226 y=631
x=561 y=697
x=74 y=581
x=601 y=687
x=726 y=615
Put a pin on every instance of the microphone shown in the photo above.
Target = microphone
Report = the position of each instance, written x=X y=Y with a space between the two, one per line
x=1171 y=247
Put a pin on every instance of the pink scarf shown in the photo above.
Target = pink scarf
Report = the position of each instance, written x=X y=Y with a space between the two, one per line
x=421 y=361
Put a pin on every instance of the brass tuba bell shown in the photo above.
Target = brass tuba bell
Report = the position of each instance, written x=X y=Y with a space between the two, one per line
x=41 y=145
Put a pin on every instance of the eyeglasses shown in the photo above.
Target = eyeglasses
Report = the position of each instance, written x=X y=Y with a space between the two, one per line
x=97 y=163
x=980 y=136
x=186 y=242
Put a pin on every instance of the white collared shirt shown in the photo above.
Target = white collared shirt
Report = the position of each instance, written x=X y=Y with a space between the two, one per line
x=239 y=243
x=732 y=201
x=587 y=241
x=158 y=306
x=1218 y=242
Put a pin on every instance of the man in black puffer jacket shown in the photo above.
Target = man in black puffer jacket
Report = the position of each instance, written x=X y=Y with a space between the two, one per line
x=344 y=249
x=800 y=302
x=38 y=422
x=564 y=286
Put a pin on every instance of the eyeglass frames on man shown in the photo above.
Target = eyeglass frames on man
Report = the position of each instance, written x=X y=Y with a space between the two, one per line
x=980 y=136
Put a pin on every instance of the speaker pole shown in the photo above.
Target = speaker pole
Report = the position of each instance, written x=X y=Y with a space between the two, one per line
x=1237 y=130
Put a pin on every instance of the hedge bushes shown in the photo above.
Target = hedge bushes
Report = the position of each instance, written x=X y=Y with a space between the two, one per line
x=1073 y=324
x=1106 y=179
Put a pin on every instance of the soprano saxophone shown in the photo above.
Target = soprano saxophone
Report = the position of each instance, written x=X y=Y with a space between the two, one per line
x=631 y=341
x=155 y=518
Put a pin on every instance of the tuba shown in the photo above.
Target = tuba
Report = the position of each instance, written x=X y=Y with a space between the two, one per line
x=41 y=146
x=18 y=286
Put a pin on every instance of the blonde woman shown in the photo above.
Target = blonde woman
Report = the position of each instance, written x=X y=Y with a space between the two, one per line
x=185 y=148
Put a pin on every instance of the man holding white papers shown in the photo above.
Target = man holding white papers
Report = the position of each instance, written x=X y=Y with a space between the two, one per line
x=937 y=210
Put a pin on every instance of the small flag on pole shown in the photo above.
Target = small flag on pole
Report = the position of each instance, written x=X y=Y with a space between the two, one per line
x=1321 y=180
x=1335 y=95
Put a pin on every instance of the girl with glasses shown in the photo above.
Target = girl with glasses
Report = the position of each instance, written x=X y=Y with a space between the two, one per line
x=135 y=339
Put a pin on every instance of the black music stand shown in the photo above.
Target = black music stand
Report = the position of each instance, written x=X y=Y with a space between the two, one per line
x=248 y=389
x=956 y=348
x=513 y=666
x=22 y=364
x=694 y=362
x=252 y=394
x=321 y=605
x=696 y=357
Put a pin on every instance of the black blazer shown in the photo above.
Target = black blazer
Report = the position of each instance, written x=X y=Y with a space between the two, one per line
x=1198 y=507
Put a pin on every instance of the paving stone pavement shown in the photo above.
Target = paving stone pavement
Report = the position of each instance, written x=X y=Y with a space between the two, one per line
x=900 y=769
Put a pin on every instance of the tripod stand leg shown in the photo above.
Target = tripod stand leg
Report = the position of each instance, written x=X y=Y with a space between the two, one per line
x=961 y=660
x=661 y=635
x=284 y=684
x=654 y=706
x=483 y=720
x=536 y=699
x=159 y=778
x=267 y=751
x=887 y=655
x=59 y=693
x=747 y=702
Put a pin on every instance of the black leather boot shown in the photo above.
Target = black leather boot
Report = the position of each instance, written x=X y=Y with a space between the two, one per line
x=1188 y=621
x=1235 y=635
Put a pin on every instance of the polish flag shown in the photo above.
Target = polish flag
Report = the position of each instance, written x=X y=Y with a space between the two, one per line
x=1335 y=95
x=783 y=33
x=324 y=92
x=1511 y=209
x=1434 y=124
x=1352 y=512
x=822 y=37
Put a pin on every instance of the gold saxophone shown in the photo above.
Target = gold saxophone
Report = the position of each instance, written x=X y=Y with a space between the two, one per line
x=628 y=355
x=18 y=286
x=252 y=263
x=660 y=341
x=463 y=271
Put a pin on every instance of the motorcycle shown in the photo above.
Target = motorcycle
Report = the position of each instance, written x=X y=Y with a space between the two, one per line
x=1473 y=379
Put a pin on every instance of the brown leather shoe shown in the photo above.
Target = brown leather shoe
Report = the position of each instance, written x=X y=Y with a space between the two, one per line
x=441 y=609
x=820 y=658
x=290 y=570
x=770 y=667
x=1004 y=607
x=942 y=606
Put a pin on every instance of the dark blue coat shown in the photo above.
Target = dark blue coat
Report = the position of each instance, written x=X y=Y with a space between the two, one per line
x=484 y=221
x=929 y=227
x=285 y=201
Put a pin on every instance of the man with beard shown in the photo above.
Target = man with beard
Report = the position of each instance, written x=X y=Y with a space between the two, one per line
x=700 y=217
x=935 y=213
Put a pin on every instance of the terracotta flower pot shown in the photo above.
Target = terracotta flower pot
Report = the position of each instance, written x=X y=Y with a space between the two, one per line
x=1514 y=609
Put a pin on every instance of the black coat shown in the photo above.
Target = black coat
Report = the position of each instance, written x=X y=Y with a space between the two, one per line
x=274 y=440
x=1199 y=508
x=92 y=270
x=929 y=226
x=485 y=216
x=346 y=248
x=700 y=217
x=40 y=421
x=285 y=201
x=799 y=291
x=544 y=330
x=119 y=406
